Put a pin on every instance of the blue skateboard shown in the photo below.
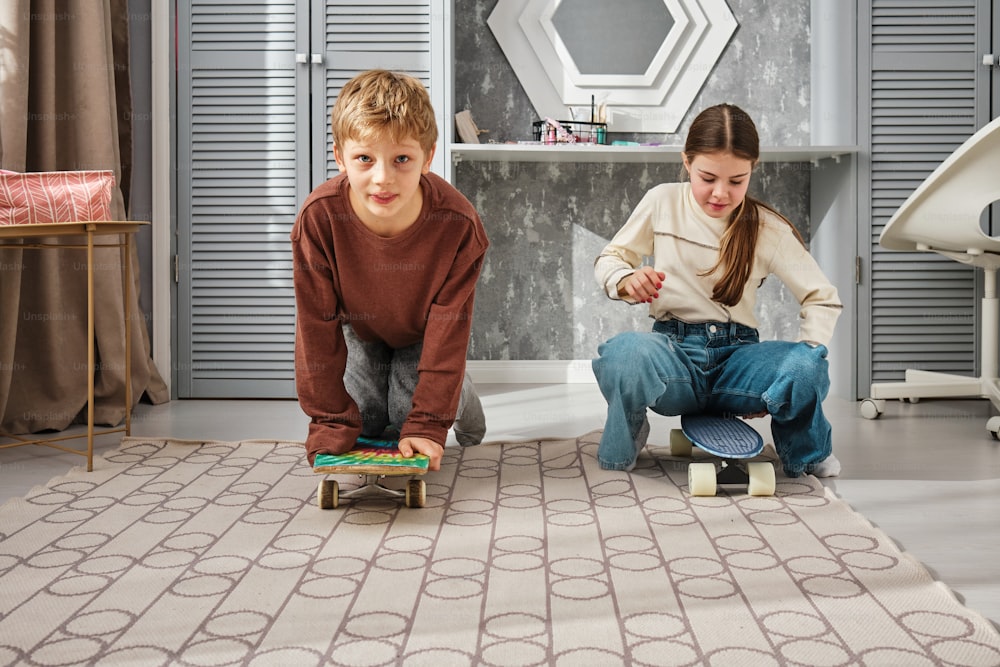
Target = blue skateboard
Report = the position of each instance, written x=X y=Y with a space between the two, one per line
x=733 y=441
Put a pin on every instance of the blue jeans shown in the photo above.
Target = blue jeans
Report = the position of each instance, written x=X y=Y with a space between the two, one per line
x=718 y=368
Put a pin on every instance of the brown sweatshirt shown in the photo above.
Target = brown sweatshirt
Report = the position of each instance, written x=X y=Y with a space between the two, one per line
x=416 y=286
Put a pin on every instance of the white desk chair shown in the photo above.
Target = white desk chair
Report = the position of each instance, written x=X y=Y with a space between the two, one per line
x=942 y=216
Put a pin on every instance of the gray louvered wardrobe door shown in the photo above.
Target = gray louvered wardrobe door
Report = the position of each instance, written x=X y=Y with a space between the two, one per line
x=255 y=82
x=358 y=36
x=926 y=98
x=242 y=159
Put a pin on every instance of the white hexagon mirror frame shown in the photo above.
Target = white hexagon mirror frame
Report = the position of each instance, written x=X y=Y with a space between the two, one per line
x=654 y=101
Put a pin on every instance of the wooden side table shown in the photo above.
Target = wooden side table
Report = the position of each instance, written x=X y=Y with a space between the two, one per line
x=90 y=230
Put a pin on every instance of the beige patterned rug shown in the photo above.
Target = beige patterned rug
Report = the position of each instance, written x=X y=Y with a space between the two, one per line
x=181 y=553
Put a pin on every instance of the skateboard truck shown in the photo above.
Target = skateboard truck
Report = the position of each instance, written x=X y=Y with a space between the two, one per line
x=329 y=494
x=732 y=473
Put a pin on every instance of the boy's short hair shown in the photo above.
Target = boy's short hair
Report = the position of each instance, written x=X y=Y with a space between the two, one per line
x=381 y=104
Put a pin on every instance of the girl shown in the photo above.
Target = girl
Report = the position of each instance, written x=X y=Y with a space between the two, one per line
x=712 y=246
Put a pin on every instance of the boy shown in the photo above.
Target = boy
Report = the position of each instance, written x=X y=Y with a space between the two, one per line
x=386 y=259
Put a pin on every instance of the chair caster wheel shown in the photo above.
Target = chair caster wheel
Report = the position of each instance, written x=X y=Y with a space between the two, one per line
x=993 y=426
x=871 y=408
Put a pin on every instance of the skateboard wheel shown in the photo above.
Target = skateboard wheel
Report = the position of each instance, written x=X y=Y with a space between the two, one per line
x=416 y=493
x=761 y=475
x=701 y=479
x=328 y=494
x=679 y=443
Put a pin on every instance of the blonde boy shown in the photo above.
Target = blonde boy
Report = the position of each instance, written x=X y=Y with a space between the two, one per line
x=386 y=259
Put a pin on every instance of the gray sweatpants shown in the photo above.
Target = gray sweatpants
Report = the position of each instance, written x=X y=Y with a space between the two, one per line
x=381 y=380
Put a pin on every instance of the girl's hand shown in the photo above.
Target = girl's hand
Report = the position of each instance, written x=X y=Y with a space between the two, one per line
x=409 y=446
x=643 y=285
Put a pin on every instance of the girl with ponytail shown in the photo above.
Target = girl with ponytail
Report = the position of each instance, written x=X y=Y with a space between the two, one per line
x=711 y=247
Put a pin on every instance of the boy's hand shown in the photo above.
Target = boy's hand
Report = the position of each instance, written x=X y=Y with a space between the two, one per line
x=642 y=286
x=409 y=446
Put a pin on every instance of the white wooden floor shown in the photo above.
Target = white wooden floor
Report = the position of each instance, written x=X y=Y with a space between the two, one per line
x=927 y=474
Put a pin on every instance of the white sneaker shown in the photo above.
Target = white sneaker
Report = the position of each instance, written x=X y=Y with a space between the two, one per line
x=828 y=467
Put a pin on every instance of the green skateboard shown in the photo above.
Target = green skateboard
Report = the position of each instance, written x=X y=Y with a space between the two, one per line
x=372 y=459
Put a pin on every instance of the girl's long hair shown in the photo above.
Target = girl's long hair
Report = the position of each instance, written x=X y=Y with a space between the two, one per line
x=725 y=128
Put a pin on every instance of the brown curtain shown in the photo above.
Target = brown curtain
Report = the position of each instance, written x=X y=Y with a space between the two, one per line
x=65 y=105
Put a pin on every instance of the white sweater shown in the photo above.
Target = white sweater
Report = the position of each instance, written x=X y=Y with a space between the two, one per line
x=669 y=226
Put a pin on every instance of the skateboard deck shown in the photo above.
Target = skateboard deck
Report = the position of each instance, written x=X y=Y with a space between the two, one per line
x=730 y=439
x=727 y=437
x=373 y=459
x=371 y=456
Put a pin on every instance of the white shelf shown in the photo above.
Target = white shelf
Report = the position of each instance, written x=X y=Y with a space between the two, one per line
x=598 y=153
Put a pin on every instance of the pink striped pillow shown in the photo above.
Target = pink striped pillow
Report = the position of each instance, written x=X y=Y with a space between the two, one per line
x=34 y=198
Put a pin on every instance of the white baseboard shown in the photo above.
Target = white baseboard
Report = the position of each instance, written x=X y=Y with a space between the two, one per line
x=577 y=371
